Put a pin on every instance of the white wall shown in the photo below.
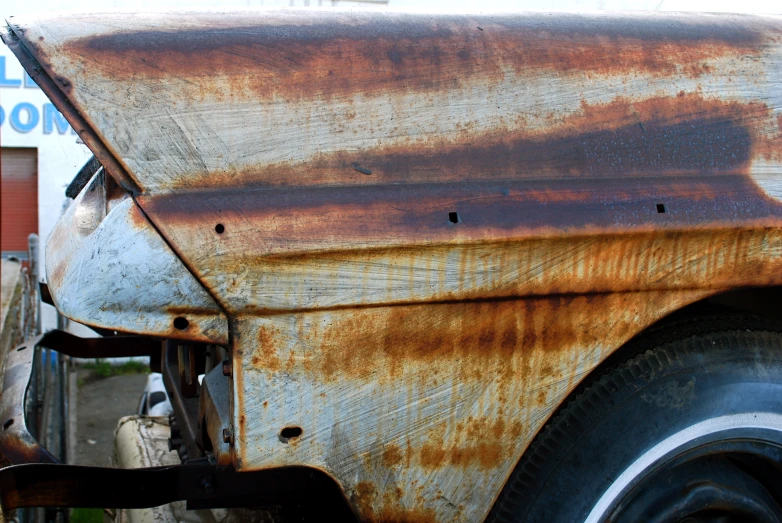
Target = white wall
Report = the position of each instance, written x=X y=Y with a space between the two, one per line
x=19 y=7
x=59 y=155
x=714 y=6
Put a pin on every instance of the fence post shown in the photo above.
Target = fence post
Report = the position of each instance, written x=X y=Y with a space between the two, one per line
x=35 y=277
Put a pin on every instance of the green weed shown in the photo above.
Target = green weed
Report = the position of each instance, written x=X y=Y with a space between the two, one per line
x=103 y=369
x=87 y=515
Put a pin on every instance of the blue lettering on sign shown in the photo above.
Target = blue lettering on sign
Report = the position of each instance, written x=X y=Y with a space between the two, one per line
x=7 y=82
x=29 y=82
x=32 y=117
x=24 y=117
x=52 y=118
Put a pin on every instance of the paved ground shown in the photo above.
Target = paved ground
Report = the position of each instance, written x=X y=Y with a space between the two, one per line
x=101 y=404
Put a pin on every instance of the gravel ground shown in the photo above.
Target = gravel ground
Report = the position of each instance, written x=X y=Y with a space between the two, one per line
x=102 y=403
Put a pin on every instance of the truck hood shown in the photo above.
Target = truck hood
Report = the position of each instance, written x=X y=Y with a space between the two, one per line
x=287 y=97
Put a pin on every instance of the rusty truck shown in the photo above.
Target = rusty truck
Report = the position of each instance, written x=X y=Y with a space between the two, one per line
x=431 y=267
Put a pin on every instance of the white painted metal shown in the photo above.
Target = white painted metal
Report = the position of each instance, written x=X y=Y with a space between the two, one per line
x=115 y=271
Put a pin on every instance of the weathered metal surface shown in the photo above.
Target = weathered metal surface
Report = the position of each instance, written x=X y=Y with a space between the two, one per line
x=427 y=229
x=421 y=411
x=292 y=98
x=333 y=248
x=107 y=267
x=17 y=445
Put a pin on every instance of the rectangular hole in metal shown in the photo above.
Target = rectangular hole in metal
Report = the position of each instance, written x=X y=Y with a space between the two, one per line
x=453 y=217
x=661 y=208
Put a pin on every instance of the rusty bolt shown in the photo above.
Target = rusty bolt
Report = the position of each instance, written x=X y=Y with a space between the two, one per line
x=207 y=486
x=227 y=436
x=227 y=368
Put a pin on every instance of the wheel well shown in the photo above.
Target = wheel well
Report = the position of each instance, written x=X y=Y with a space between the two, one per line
x=761 y=304
x=760 y=301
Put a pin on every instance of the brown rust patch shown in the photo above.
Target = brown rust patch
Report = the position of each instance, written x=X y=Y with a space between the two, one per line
x=392 y=455
x=179 y=310
x=363 y=493
x=364 y=497
x=402 y=336
x=390 y=514
x=294 y=59
x=453 y=338
x=481 y=444
x=432 y=456
x=265 y=355
x=769 y=147
x=484 y=456
x=137 y=218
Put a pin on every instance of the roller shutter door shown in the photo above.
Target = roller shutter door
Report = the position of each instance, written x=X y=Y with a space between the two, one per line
x=19 y=198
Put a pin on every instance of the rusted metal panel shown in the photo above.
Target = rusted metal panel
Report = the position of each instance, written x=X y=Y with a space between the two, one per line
x=421 y=411
x=334 y=248
x=427 y=229
x=291 y=97
x=16 y=443
x=107 y=267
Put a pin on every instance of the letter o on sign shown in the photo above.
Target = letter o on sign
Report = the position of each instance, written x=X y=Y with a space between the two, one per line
x=30 y=120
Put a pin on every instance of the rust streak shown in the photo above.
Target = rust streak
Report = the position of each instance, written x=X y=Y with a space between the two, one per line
x=369 y=54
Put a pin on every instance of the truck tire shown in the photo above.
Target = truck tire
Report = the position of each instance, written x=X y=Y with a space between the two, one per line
x=687 y=427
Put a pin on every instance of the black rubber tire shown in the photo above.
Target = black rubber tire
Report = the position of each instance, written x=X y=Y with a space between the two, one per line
x=673 y=377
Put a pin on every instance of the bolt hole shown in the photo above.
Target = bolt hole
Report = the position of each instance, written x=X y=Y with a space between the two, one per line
x=219 y=228
x=289 y=433
x=21 y=348
x=453 y=217
x=661 y=208
x=8 y=424
x=181 y=323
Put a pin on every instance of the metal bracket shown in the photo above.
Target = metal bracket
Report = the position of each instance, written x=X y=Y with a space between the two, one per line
x=304 y=494
x=32 y=477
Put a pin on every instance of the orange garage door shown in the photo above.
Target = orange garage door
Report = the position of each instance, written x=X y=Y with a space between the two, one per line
x=19 y=190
